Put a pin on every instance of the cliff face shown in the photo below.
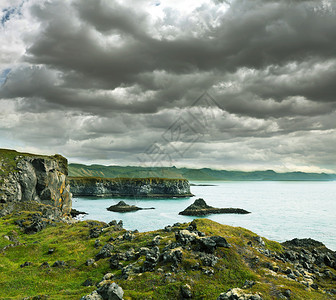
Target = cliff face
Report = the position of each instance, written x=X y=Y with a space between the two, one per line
x=33 y=178
x=123 y=187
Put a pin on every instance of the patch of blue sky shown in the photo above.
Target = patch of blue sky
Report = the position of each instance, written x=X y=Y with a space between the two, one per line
x=3 y=75
x=9 y=12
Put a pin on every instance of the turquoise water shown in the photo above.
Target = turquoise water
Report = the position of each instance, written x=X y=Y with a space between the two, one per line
x=279 y=210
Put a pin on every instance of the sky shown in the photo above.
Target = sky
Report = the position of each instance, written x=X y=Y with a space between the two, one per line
x=236 y=84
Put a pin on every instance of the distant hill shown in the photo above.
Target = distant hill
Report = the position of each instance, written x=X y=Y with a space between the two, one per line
x=205 y=174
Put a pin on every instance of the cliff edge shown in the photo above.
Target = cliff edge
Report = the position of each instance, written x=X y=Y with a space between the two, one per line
x=129 y=187
x=33 y=179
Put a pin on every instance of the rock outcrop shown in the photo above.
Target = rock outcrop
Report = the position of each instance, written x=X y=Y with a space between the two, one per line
x=129 y=187
x=121 y=206
x=33 y=179
x=200 y=208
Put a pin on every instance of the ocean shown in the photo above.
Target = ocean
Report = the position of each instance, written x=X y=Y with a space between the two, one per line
x=280 y=210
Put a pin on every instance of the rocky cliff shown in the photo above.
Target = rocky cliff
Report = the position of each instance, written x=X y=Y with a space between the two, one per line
x=129 y=187
x=36 y=179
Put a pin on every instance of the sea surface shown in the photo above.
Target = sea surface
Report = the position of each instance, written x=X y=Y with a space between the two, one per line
x=280 y=211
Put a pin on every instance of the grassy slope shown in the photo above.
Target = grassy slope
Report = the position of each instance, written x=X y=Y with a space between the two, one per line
x=73 y=246
x=79 y=170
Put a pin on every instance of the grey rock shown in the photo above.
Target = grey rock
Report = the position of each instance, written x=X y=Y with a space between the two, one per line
x=186 y=292
x=110 y=291
x=208 y=259
x=93 y=296
x=90 y=262
x=185 y=236
x=220 y=241
x=128 y=236
x=58 y=263
x=156 y=240
x=26 y=264
x=172 y=255
x=206 y=244
x=105 y=251
x=152 y=258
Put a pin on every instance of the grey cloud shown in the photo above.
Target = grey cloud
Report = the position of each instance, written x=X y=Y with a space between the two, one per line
x=105 y=80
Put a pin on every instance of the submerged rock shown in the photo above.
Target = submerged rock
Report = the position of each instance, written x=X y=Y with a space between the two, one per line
x=74 y=213
x=200 y=208
x=124 y=207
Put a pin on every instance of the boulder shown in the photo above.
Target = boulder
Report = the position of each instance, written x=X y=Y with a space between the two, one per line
x=152 y=258
x=105 y=252
x=186 y=292
x=236 y=293
x=185 y=236
x=110 y=290
x=172 y=255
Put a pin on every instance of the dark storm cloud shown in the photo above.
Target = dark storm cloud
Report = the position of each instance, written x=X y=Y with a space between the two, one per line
x=122 y=73
x=252 y=34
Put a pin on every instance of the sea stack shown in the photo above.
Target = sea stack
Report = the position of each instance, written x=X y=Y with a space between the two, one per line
x=200 y=208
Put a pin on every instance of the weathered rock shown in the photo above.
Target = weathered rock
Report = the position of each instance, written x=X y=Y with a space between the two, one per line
x=33 y=224
x=128 y=236
x=88 y=282
x=110 y=290
x=58 y=263
x=26 y=264
x=90 y=262
x=186 y=292
x=208 y=260
x=236 y=293
x=33 y=178
x=185 y=236
x=172 y=255
x=105 y=252
x=152 y=258
x=93 y=296
x=121 y=206
x=125 y=187
x=45 y=265
x=156 y=240
x=95 y=232
x=220 y=241
x=200 y=208
x=206 y=244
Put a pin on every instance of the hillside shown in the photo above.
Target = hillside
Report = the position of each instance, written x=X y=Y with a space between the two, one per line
x=200 y=260
x=205 y=174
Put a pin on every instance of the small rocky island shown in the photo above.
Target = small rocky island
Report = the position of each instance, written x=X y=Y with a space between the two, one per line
x=200 y=208
x=122 y=207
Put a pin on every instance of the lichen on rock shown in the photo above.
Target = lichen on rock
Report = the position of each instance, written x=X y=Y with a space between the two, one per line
x=29 y=178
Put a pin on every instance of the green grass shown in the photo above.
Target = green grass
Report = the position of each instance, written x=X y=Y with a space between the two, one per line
x=72 y=245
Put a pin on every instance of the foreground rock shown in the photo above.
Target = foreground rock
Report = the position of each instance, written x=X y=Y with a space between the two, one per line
x=129 y=187
x=33 y=178
x=237 y=293
x=124 y=207
x=200 y=208
x=107 y=290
